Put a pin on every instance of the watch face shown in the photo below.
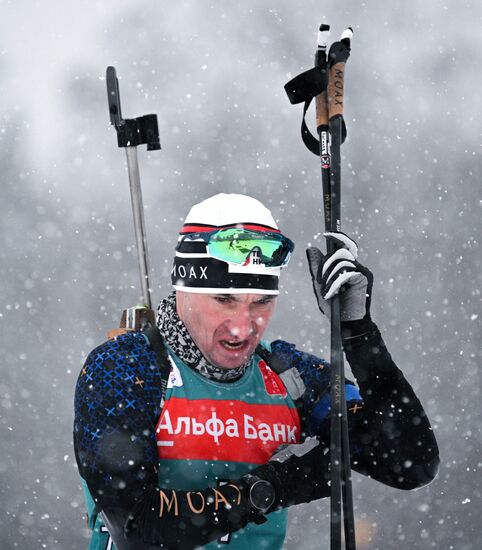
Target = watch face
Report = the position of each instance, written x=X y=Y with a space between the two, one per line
x=262 y=495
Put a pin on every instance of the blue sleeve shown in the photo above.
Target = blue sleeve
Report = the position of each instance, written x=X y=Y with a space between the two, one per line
x=117 y=398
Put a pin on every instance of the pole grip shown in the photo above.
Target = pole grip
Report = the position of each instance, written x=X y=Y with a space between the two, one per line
x=337 y=58
x=113 y=97
x=321 y=109
x=336 y=90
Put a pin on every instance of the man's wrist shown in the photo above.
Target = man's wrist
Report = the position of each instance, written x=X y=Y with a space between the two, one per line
x=359 y=331
x=260 y=492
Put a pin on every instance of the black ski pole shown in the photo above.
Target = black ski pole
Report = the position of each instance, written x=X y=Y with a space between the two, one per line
x=322 y=127
x=325 y=83
x=130 y=134
x=341 y=488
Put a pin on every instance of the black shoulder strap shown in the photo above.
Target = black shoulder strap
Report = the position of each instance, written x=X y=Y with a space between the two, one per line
x=158 y=347
x=270 y=359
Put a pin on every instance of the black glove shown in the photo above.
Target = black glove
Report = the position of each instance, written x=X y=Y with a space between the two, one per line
x=297 y=473
x=339 y=272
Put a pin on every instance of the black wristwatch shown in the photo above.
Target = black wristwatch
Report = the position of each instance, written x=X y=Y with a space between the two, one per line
x=261 y=493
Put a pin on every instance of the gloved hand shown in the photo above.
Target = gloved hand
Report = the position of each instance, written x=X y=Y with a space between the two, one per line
x=340 y=273
x=298 y=473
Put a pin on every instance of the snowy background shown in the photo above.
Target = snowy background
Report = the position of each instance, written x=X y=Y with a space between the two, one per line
x=214 y=74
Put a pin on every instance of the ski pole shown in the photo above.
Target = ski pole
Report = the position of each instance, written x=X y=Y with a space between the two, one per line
x=325 y=83
x=322 y=127
x=341 y=488
x=130 y=134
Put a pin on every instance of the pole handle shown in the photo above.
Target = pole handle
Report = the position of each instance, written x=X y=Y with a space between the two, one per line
x=321 y=104
x=131 y=132
x=113 y=97
x=321 y=100
x=337 y=57
x=335 y=90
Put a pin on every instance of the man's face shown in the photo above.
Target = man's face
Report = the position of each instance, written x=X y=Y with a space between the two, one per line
x=225 y=327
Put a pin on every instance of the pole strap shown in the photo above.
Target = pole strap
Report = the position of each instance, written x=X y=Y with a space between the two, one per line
x=315 y=81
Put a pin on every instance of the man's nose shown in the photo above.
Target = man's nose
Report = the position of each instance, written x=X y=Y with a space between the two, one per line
x=242 y=324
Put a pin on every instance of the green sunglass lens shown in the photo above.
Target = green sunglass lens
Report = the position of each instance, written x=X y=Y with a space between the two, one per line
x=233 y=245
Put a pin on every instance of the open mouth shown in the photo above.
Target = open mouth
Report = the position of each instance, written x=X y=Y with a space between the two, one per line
x=233 y=345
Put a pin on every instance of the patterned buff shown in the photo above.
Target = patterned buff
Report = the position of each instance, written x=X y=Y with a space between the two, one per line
x=177 y=337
